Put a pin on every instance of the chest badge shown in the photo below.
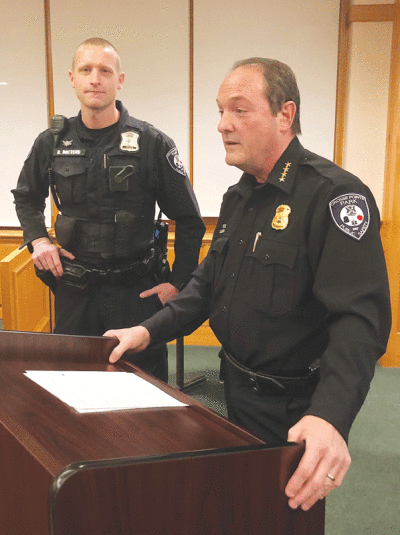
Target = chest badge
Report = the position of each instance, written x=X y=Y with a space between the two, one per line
x=281 y=219
x=129 y=142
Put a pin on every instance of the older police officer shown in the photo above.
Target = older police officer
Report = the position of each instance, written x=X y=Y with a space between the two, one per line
x=294 y=285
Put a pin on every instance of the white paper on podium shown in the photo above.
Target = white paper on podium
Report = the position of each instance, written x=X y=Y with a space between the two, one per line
x=98 y=391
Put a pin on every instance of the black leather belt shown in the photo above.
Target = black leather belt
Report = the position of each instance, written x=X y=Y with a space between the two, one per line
x=80 y=277
x=276 y=385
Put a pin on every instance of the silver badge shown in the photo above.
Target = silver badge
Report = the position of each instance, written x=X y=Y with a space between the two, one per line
x=67 y=143
x=129 y=142
x=350 y=213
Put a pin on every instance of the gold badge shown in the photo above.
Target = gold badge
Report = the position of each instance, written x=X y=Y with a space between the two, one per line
x=281 y=219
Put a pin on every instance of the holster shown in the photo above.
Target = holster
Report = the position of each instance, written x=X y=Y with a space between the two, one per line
x=47 y=278
x=162 y=270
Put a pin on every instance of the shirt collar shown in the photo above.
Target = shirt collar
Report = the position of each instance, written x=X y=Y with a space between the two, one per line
x=282 y=175
x=284 y=172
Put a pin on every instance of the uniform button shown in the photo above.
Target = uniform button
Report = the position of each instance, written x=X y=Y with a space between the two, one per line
x=91 y=160
x=267 y=256
x=241 y=242
x=223 y=309
x=94 y=242
x=232 y=275
x=251 y=209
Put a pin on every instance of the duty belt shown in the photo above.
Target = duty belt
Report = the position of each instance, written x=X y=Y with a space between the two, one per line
x=80 y=277
x=276 y=385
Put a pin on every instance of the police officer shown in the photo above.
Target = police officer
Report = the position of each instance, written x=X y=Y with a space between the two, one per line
x=107 y=171
x=295 y=283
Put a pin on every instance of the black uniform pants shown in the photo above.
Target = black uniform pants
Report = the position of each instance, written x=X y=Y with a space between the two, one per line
x=111 y=307
x=269 y=417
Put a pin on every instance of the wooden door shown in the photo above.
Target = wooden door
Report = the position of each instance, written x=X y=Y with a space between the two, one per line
x=390 y=228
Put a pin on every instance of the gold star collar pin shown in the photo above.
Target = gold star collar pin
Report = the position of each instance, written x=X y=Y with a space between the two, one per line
x=285 y=172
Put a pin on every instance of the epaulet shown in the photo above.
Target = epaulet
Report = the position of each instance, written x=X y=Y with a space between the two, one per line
x=138 y=124
x=327 y=168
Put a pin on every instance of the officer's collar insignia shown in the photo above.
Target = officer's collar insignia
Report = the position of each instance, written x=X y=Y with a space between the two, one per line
x=223 y=229
x=350 y=213
x=67 y=143
x=175 y=162
x=281 y=219
x=285 y=172
x=129 y=142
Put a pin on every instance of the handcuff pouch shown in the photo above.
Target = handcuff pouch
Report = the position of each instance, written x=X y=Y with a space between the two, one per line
x=64 y=227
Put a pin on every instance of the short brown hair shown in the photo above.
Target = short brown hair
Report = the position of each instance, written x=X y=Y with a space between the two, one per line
x=280 y=85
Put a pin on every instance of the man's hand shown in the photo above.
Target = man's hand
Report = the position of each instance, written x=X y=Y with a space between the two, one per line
x=326 y=453
x=46 y=256
x=134 y=338
x=165 y=291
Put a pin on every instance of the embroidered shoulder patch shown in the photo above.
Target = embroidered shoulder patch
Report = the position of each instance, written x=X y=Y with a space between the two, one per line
x=350 y=213
x=175 y=162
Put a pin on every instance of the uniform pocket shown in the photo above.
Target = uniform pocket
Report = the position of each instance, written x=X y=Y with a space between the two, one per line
x=70 y=178
x=271 y=277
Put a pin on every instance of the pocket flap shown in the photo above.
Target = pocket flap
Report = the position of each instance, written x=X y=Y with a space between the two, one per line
x=219 y=244
x=71 y=168
x=272 y=252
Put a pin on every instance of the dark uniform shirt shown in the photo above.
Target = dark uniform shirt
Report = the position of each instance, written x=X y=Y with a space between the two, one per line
x=295 y=273
x=108 y=182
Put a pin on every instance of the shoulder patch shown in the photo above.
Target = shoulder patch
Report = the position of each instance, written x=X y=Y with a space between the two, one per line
x=175 y=162
x=350 y=213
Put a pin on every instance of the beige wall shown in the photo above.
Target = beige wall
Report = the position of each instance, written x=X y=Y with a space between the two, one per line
x=365 y=140
x=153 y=41
x=23 y=99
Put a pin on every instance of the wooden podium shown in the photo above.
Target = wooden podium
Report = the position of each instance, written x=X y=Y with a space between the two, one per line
x=167 y=471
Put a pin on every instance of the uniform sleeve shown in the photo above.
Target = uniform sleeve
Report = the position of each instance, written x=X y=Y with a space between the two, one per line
x=32 y=189
x=351 y=281
x=177 y=201
x=184 y=314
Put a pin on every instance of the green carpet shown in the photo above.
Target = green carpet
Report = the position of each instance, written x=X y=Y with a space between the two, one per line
x=368 y=501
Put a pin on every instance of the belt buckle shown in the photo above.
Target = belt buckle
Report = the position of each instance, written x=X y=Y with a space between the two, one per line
x=273 y=387
x=253 y=382
x=100 y=276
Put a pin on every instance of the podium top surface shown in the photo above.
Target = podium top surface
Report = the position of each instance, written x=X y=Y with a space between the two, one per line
x=58 y=436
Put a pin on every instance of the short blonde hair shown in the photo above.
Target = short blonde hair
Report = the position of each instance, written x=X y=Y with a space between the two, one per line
x=103 y=43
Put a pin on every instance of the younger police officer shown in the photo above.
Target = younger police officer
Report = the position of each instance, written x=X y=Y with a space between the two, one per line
x=295 y=276
x=108 y=170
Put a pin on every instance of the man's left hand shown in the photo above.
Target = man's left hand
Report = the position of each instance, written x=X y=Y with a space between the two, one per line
x=165 y=291
x=326 y=453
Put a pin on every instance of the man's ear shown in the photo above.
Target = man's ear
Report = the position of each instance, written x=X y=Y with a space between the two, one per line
x=71 y=78
x=286 y=115
x=121 y=79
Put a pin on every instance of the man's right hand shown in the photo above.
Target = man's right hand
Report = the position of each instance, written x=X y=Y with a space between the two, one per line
x=46 y=256
x=135 y=339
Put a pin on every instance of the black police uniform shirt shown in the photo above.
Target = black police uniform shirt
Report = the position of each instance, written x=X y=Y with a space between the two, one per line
x=108 y=181
x=295 y=272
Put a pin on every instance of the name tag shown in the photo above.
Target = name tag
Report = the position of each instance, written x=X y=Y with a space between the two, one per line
x=69 y=152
